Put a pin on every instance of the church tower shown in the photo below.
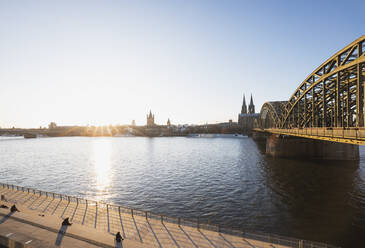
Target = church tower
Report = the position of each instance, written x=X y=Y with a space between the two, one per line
x=251 y=107
x=244 y=107
x=150 y=119
x=246 y=119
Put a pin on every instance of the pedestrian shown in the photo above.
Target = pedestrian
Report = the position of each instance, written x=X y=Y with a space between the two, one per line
x=118 y=237
x=14 y=209
x=66 y=222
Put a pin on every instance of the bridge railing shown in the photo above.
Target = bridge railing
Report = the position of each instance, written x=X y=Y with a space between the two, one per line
x=195 y=223
x=344 y=133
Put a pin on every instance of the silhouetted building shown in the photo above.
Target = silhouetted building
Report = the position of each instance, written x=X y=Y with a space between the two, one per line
x=168 y=122
x=150 y=119
x=52 y=125
x=251 y=107
x=246 y=120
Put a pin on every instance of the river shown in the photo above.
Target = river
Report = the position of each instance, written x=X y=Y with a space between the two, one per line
x=229 y=181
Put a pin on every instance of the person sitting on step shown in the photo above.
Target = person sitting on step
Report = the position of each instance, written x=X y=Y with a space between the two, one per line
x=14 y=209
x=66 y=222
x=118 y=237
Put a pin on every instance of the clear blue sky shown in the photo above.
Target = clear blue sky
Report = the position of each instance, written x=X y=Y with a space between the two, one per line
x=108 y=62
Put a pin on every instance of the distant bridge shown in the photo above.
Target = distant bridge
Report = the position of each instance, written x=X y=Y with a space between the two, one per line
x=327 y=105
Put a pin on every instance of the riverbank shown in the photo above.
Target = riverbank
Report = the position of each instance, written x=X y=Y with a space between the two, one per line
x=96 y=223
x=124 y=130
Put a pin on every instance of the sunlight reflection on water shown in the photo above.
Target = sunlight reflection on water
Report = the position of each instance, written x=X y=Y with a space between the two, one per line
x=102 y=152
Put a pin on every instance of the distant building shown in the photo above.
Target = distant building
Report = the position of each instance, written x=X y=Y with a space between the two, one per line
x=246 y=119
x=151 y=119
x=133 y=122
x=168 y=122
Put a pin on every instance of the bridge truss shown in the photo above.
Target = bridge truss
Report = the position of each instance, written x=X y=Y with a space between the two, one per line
x=331 y=97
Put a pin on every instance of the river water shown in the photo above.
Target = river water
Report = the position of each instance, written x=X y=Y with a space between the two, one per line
x=228 y=180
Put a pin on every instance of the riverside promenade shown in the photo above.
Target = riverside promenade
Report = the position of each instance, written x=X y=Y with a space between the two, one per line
x=95 y=224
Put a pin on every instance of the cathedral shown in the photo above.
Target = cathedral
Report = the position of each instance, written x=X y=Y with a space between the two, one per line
x=246 y=118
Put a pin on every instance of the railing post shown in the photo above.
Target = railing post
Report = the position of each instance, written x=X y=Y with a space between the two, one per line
x=198 y=223
x=179 y=221
x=119 y=210
x=161 y=218
x=132 y=212
x=96 y=213
x=53 y=195
x=107 y=211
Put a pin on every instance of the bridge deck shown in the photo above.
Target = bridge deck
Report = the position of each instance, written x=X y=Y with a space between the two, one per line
x=138 y=230
x=343 y=135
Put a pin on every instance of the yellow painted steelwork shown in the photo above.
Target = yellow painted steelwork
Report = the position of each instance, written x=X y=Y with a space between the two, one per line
x=332 y=96
x=320 y=134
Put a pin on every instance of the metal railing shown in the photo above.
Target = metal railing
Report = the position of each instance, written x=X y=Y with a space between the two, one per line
x=351 y=134
x=197 y=223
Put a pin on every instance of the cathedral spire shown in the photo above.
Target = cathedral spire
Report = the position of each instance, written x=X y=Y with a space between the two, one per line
x=251 y=107
x=244 y=106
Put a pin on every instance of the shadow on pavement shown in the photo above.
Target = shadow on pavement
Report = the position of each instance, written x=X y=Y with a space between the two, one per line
x=61 y=234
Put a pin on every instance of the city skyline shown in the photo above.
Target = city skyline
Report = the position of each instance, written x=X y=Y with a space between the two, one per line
x=102 y=63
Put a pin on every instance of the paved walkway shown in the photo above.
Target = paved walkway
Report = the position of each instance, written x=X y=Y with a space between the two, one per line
x=95 y=226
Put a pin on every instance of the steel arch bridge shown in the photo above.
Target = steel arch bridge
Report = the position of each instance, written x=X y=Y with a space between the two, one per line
x=328 y=104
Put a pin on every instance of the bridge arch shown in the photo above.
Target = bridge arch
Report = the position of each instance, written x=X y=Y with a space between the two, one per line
x=270 y=114
x=332 y=95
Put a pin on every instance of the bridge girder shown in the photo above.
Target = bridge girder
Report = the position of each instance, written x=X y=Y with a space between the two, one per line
x=270 y=114
x=331 y=96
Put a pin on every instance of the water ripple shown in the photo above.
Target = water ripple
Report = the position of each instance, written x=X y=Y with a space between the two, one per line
x=228 y=181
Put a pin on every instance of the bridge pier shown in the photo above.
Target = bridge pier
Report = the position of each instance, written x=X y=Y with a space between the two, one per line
x=296 y=147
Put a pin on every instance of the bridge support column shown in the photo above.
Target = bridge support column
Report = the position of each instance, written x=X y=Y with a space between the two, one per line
x=259 y=136
x=296 y=147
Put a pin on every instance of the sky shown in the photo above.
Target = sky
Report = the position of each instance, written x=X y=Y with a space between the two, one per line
x=111 y=62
